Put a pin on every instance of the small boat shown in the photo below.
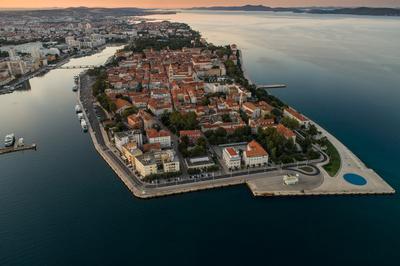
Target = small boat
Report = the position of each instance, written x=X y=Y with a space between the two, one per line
x=80 y=116
x=84 y=125
x=75 y=88
x=9 y=140
x=20 y=142
x=78 y=108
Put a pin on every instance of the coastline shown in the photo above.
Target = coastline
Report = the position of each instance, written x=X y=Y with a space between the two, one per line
x=261 y=183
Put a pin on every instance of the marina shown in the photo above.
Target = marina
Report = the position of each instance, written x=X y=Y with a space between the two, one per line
x=11 y=145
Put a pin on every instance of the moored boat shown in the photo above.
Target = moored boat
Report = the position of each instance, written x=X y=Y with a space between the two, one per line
x=20 y=142
x=78 y=108
x=9 y=140
x=84 y=125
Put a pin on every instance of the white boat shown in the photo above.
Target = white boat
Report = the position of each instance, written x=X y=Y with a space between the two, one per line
x=78 y=108
x=84 y=125
x=9 y=140
x=80 y=116
x=20 y=142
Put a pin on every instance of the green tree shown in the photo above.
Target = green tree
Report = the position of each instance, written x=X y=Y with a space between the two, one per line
x=129 y=111
x=290 y=123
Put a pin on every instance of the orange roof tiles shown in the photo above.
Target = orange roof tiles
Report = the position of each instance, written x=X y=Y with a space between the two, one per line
x=120 y=103
x=232 y=152
x=296 y=114
x=254 y=149
x=152 y=133
x=286 y=132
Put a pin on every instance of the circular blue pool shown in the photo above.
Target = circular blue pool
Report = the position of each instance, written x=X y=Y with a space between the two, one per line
x=355 y=179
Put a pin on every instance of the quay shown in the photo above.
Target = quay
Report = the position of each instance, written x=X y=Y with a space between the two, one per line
x=15 y=149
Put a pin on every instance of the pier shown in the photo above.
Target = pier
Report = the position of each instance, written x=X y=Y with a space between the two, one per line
x=271 y=86
x=76 y=67
x=16 y=148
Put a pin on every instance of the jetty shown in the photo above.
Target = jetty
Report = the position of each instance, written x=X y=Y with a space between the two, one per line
x=16 y=148
x=271 y=86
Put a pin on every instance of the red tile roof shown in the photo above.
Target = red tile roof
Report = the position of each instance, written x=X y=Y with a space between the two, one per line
x=296 y=114
x=120 y=103
x=152 y=133
x=231 y=151
x=286 y=132
x=190 y=133
x=254 y=149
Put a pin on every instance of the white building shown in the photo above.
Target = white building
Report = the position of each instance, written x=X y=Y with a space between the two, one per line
x=163 y=137
x=215 y=87
x=149 y=163
x=231 y=158
x=122 y=138
x=291 y=113
x=255 y=155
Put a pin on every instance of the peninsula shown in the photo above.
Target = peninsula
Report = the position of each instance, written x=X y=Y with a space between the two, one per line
x=367 y=11
x=171 y=113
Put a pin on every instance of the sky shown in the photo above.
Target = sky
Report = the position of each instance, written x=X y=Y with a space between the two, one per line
x=190 y=3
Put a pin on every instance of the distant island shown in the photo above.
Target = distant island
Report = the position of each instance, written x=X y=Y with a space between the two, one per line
x=367 y=11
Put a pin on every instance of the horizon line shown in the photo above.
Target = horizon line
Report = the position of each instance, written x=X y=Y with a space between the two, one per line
x=194 y=7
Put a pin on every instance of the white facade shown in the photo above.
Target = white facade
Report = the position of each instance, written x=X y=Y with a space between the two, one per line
x=165 y=142
x=122 y=138
x=298 y=117
x=254 y=161
x=231 y=158
x=215 y=87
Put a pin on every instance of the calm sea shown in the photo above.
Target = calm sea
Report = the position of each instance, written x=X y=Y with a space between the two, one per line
x=63 y=205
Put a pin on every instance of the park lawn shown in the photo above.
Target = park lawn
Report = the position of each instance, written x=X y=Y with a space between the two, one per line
x=334 y=159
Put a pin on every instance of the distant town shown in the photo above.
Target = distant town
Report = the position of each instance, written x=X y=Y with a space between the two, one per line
x=32 y=42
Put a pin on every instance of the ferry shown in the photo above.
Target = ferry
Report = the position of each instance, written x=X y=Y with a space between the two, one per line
x=78 y=108
x=9 y=140
x=84 y=125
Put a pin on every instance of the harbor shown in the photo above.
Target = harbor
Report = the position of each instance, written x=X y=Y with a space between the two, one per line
x=16 y=149
x=11 y=145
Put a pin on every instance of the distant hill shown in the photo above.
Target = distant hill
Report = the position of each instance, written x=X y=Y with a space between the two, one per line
x=236 y=8
x=369 y=11
x=366 y=11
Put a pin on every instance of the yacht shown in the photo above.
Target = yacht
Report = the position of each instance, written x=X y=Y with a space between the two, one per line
x=78 y=108
x=9 y=140
x=84 y=125
x=20 y=142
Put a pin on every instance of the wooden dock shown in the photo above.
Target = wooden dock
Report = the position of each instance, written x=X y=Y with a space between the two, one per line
x=15 y=149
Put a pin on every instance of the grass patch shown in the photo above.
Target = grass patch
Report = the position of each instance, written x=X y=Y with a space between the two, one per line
x=307 y=169
x=334 y=159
